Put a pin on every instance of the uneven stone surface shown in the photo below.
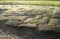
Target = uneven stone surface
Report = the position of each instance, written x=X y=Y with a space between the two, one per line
x=28 y=25
x=29 y=22
x=12 y=23
x=38 y=17
x=44 y=27
x=54 y=21
x=22 y=17
x=45 y=20
x=30 y=16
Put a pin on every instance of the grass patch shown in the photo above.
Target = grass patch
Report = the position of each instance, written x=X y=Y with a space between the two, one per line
x=48 y=3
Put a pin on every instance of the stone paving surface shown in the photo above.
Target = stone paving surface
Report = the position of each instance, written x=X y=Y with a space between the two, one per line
x=45 y=17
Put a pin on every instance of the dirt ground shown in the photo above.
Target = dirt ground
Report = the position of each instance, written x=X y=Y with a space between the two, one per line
x=26 y=33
